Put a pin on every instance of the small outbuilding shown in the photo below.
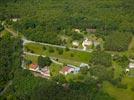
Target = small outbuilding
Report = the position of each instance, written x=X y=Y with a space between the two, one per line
x=131 y=65
x=90 y=30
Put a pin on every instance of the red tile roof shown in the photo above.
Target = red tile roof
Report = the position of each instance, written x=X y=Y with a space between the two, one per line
x=33 y=66
x=65 y=69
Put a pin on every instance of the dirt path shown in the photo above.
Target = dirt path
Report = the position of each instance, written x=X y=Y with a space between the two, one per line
x=6 y=87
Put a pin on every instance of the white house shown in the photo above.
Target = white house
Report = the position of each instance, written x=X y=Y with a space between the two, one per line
x=131 y=65
x=87 y=42
x=33 y=67
x=75 y=43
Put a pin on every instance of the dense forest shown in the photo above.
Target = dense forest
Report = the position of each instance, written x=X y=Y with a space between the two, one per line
x=49 y=19
x=10 y=59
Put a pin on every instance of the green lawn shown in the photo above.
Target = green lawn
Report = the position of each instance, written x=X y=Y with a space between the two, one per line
x=118 y=93
x=54 y=68
x=34 y=59
x=71 y=55
x=118 y=70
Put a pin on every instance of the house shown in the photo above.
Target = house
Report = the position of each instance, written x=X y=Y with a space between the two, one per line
x=45 y=72
x=33 y=67
x=131 y=65
x=75 y=44
x=90 y=30
x=87 y=42
x=76 y=69
x=69 y=69
x=66 y=70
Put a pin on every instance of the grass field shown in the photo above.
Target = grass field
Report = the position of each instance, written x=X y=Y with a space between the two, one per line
x=71 y=55
x=34 y=59
x=118 y=93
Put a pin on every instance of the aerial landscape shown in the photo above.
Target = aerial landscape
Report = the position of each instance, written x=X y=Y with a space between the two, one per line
x=66 y=49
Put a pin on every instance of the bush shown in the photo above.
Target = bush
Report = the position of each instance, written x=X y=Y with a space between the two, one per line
x=51 y=50
x=44 y=48
x=67 y=49
x=72 y=55
x=116 y=81
x=101 y=58
x=76 y=36
x=60 y=51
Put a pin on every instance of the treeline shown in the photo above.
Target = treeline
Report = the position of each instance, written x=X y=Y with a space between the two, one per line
x=44 y=20
x=10 y=51
x=118 y=41
x=28 y=87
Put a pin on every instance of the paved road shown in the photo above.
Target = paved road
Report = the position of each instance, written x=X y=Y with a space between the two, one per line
x=57 y=46
x=25 y=41
x=52 y=58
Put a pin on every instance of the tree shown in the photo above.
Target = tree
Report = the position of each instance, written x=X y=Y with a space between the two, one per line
x=76 y=36
x=102 y=73
x=1 y=27
x=101 y=57
x=51 y=50
x=118 y=41
x=60 y=51
x=10 y=58
x=44 y=61
x=67 y=49
x=60 y=79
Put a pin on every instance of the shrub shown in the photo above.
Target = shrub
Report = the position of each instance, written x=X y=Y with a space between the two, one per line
x=51 y=50
x=44 y=48
x=72 y=55
x=67 y=49
x=60 y=51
